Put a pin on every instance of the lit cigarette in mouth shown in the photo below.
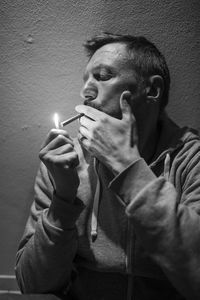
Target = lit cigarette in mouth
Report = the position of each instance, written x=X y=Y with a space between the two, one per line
x=68 y=121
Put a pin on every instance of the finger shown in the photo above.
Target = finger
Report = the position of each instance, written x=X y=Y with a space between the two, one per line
x=59 y=141
x=61 y=150
x=84 y=141
x=65 y=160
x=125 y=107
x=86 y=122
x=80 y=137
x=90 y=112
x=53 y=133
x=85 y=133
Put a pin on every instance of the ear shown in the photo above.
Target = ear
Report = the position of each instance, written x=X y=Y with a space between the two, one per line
x=154 y=88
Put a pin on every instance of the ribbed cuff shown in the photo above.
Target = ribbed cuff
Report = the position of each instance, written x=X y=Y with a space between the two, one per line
x=128 y=183
x=63 y=214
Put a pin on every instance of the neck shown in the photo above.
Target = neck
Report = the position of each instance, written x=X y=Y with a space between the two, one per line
x=148 y=145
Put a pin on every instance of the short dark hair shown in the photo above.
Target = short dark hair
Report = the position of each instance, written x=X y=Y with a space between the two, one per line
x=146 y=58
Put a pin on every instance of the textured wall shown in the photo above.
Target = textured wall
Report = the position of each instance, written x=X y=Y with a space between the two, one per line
x=41 y=65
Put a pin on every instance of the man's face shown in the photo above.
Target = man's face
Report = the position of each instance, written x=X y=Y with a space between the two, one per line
x=108 y=73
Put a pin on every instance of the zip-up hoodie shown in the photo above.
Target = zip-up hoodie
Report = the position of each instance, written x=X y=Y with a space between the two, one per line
x=134 y=236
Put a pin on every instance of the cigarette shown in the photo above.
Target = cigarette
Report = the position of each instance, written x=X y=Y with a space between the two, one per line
x=68 y=121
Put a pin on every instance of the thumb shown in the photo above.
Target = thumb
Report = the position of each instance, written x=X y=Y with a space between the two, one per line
x=125 y=107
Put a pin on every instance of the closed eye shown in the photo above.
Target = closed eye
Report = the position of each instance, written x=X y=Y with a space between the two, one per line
x=102 y=76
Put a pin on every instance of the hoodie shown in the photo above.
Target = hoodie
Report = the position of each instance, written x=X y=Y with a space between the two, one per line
x=135 y=236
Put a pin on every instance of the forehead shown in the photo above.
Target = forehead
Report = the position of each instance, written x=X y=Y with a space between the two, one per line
x=114 y=55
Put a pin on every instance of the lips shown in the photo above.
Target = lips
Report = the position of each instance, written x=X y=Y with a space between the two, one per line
x=90 y=97
x=88 y=101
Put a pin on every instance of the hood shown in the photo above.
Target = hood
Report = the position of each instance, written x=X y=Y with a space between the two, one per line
x=171 y=137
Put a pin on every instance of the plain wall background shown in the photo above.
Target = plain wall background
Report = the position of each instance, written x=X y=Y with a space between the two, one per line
x=41 y=66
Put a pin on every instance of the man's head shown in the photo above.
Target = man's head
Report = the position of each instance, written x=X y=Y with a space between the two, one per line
x=124 y=62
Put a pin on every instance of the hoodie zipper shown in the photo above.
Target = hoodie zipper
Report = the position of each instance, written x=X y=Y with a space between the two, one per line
x=129 y=259
x=128 y=249
x=130 y=237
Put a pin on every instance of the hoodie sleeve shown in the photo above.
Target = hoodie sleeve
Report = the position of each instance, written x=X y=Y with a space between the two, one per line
x=166 y=219
x=44 y=261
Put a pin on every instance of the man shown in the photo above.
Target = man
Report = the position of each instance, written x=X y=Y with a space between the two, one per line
x=117 y=211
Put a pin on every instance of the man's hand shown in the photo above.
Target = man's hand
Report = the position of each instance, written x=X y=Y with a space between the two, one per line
x=60 y=158
x=112 y=141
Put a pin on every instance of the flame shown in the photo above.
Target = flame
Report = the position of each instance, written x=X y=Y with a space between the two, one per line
x=56 y=120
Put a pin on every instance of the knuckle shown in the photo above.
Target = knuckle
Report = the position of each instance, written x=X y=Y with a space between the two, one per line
x=95 y=132
x=72 y=160
x=48 y=158
x=69 y=147
x=74 y=155
x=103 y=119
x=60 y=138
x=63 y=140
x=42 y=153
x=98 y=125
x=94 y=137
x=52 y=134
x=95 y=128
x=81 y=130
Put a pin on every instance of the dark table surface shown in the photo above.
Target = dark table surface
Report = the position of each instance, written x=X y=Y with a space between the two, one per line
x=10 y=296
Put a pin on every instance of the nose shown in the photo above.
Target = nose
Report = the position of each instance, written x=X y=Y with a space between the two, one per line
x=89 y=90
x=82 y=92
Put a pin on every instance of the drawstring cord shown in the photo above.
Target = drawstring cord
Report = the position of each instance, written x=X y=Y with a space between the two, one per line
x=95 y=208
